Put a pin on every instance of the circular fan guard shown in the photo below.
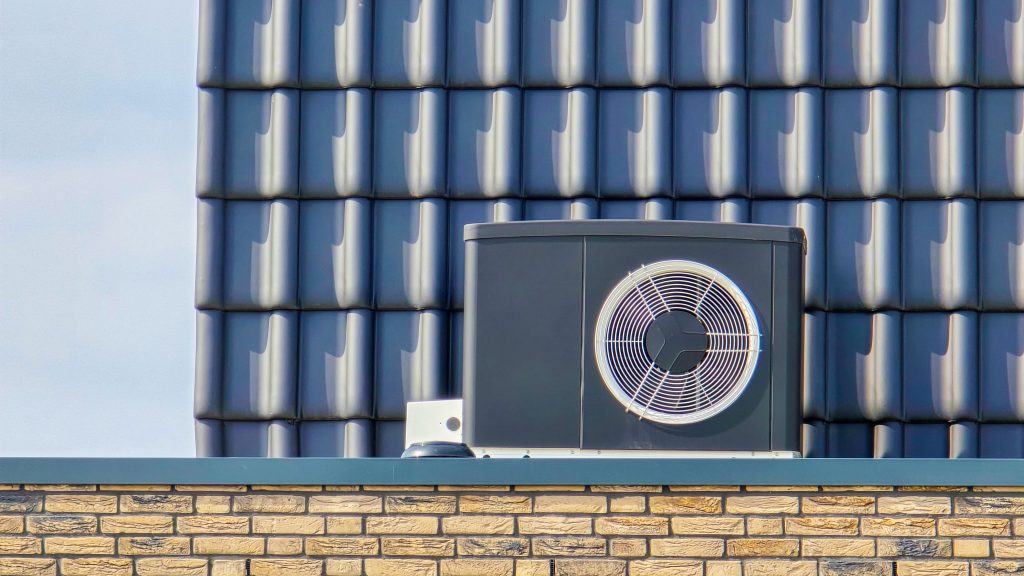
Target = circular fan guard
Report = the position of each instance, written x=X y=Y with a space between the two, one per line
x=700 y=392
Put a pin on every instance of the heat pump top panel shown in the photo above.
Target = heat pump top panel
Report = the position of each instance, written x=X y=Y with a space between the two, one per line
x=650 y=229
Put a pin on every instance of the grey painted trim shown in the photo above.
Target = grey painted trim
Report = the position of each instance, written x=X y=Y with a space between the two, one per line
x=384 y=471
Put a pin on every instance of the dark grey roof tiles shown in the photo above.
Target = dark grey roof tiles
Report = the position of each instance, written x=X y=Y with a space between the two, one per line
x=343 y=145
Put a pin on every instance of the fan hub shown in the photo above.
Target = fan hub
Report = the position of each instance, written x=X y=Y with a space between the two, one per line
x=676 y=341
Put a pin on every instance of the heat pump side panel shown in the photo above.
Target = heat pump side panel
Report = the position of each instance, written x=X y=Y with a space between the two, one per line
x=522 y=342
x=787 y=345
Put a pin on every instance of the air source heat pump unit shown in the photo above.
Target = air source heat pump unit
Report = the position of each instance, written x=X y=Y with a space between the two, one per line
x=613 y=337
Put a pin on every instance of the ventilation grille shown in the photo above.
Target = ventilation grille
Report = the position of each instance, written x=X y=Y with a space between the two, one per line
x=677 y=394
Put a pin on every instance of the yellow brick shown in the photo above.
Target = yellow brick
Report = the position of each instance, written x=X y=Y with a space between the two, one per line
x=213 y=504
x=688 y=547
x=340 y=567
x=417 y=546
x=974 y=527
x=914 y=548
x=990 y=505
x=393 y=567
x=346 y=504
x=1008 y=548
x=30 y=567
x=61 y=487
x=700 y=525
x=851 y=547
x=704 y=488
x=931 y=568
x=62 y=524
x=228 y=545
x=137 y=524
x=887 y=526
x=782 y=488
x=590 y=568
x=152 y=546
x=285 y=488
x=478 y=524
x=20 y=545
x=686 y=505
x=630 y=525
x=847 y=567
x=171 y=567
x=229 y=568
x=12 y=524
x=533 y=567
x=626 y=488
x=861 y=488
x=211 y=488
x=21 y=503
x=764 y=526
x=493 y=547
x=284 y=546
x=156 y=503
x=568 y=546
x=723 y=568
x=971 y=548
x=1018 y=526
x=932 y=488
x=571 y=504
x=85 y=503
x=759 y=504
x=914 y=505
x=79 y=545
x=341 y=546
x=288 y=524
x=341 y=489
x=550 y=488
x=463 y=567
x=996 y=568
x=628 y=547
x=628 y=504
x=396 y=488
x=344 y=525
x=282 y=504
x=8 y=487
x=821 y=525
x=135 y=487
x=997 y=489
x=763 y=547
x=837 y=504
x=216 y=524
x=496 y=504
x=401 y=525
x=555 y=525
x=415 y=504
x=1009 y=505
x=780 y=568
x=89 y=567
x=473 y=488
x=290 y=567
x=665 y=568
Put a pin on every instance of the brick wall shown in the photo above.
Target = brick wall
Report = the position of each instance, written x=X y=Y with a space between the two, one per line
x=501 y=530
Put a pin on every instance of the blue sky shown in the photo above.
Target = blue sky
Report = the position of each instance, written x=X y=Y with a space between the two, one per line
x=97 y=227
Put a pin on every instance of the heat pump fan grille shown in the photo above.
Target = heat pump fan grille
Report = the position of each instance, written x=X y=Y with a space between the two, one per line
x=676 y=342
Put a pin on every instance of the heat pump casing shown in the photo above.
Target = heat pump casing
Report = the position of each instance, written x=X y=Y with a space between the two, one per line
x=534 y=291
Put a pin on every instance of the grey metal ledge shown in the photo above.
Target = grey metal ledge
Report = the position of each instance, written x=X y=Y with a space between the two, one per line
x=384 y=471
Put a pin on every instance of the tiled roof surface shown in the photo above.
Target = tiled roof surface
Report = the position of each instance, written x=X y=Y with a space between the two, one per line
x=343 y=144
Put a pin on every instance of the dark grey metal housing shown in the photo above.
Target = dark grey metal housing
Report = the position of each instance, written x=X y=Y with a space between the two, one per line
x=344 y=144
x=533 y=293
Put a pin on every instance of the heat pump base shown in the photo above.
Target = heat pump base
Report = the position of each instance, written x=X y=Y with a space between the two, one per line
x=577 y=453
